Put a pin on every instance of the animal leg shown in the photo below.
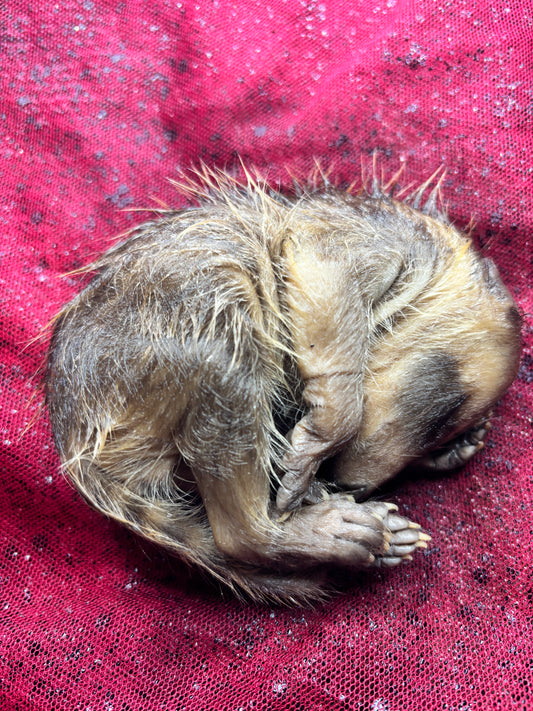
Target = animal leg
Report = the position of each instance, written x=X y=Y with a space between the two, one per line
x=337 y=531
x=329 y=339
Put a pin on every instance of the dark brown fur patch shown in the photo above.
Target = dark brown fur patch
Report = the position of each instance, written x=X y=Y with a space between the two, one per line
x=431 y=399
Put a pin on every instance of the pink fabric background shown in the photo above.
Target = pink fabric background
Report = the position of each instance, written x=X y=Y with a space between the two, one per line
x=101 y=101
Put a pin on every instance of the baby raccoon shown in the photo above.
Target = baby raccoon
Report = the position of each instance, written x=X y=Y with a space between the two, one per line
x=233 y=368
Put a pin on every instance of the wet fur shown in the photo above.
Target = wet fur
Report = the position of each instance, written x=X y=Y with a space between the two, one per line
x=222 y=353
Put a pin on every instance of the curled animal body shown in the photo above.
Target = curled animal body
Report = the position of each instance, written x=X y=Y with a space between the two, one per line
x=238 y=377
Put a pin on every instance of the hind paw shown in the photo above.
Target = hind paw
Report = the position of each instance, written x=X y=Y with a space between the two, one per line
x=343 y=532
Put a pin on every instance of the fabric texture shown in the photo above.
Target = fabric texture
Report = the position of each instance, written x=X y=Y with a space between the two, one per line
x=101 y=102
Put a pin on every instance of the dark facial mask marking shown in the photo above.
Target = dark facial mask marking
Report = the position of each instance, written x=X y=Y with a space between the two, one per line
x=430 y=401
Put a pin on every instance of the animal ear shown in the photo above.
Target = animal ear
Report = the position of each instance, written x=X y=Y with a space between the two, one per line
x=412 y=275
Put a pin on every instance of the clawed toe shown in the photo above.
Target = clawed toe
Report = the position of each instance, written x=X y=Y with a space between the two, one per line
x=397 y=523
x=405 y=545
x=402 y=537
x=391 y=561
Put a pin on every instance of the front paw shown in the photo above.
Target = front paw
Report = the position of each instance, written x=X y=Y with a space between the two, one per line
x=459 y=450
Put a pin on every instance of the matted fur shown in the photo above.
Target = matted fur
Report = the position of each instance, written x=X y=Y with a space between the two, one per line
x=222 y=353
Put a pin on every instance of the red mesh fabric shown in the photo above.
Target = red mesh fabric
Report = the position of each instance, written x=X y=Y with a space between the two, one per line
x=102 y=101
